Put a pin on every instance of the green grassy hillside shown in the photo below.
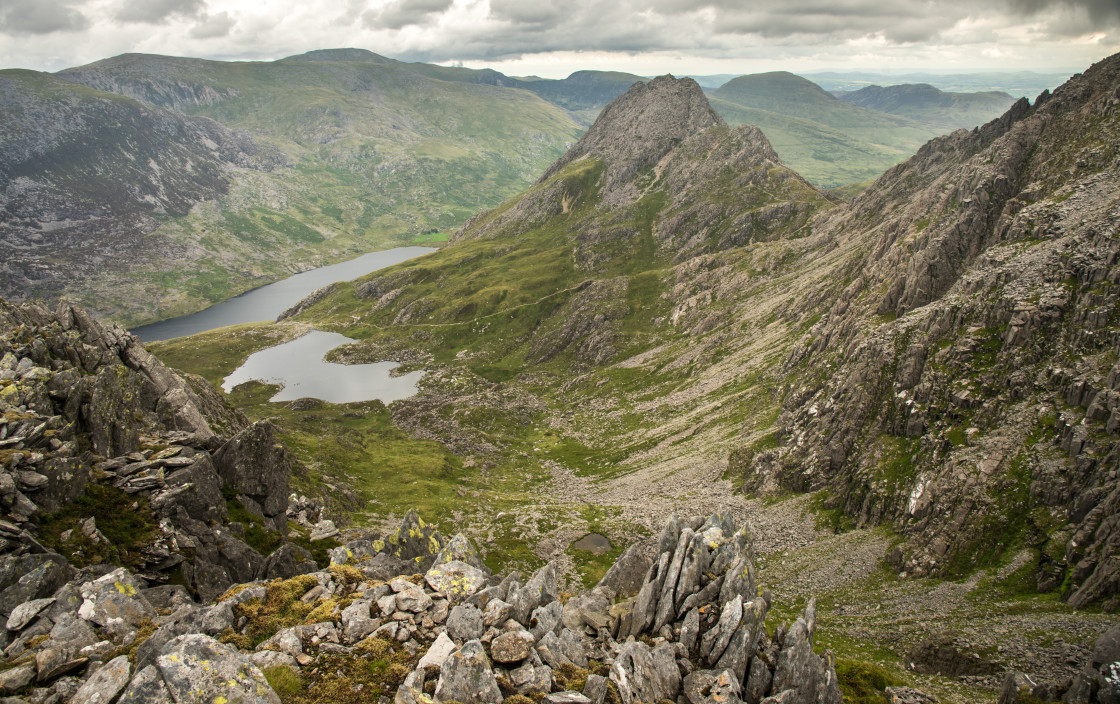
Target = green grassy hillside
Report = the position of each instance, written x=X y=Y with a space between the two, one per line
x=369 y=153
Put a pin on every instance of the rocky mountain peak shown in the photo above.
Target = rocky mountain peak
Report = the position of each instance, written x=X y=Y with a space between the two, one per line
x=639 y=128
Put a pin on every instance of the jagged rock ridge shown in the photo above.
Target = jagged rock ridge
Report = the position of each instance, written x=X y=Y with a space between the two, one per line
x=637 y=129
x=984 y=414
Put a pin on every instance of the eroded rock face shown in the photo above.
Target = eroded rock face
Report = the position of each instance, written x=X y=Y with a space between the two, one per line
x=255 y=465
x=968 y=349
x=70 y=382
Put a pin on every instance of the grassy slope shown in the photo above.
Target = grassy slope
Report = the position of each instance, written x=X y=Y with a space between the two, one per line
x=377 y=155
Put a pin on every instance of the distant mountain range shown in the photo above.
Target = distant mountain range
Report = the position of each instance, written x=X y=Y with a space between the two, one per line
x=338 y=152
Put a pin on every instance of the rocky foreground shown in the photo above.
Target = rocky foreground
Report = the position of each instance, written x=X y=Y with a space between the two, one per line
x=199 y=614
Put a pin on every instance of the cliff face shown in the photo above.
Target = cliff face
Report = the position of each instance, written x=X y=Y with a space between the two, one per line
x=962 y=380
x=86 y=176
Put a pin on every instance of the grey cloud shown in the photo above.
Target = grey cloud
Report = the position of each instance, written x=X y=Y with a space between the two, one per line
x=158 y=11
x=18 y=17
x=545 y=11
x=402 y=13
x=1098 y=10
x=212 y=26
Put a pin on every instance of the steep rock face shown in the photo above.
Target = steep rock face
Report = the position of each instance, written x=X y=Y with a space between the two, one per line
x=85 y=408
x=67 y=194
x=637 y=129
x=960 y=382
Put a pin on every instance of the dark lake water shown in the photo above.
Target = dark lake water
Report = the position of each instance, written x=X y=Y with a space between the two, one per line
x=298 y=365
x=267 y=302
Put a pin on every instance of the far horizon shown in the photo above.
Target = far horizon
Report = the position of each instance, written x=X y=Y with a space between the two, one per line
x=543 y=38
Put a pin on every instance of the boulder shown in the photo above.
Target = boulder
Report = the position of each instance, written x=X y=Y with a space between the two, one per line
x=415 y=542
x=105 y=684
x=287 y=561
x=439 y=651
x=626 y=575
x=115 y=596
x=459 y=549
x=25 y=612
x=809 y=676
x=28 y=577
x=466 y=677
x=545 y=619
x=465 y=623
x=255 y=465
x=595 y=689
x=456 y=579
x=512 y=646
x=642 y=675
x=198 y=668
x=566 y=697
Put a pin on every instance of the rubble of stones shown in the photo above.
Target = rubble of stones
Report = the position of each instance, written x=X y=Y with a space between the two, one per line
x=687 y=626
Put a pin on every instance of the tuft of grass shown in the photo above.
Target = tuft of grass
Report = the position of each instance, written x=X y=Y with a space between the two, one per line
x=286 y=682
x=125 y=519
x=864 y=682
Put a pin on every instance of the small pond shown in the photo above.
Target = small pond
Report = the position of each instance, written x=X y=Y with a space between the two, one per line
x=299 y=367
x=593 y=543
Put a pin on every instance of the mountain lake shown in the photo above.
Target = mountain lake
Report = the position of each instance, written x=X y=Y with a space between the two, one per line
x=299 y=365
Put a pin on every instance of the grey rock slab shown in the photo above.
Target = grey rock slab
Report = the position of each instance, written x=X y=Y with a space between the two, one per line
x=757 y=682
x=466 y=677
x=532 y=678
x=412 y=598
x=356 y=621
x=690 y=630
x=198 y=668
x=513 y=646
x=15 y=679
x=695 y=564
x=115 y=596
x=27 y=577
x=497 y=613
x=105 y=684
x=459 y=549
x=642 y=675
x=716 y=639
x=51 y=663
x=464 y=623
x=666 y=606
x=567 y=697
x=147 y=687
x=272 y=658
x=595 y=689
x=440 y=649
x=626 y=575
x=545 y=619
x=25 y=612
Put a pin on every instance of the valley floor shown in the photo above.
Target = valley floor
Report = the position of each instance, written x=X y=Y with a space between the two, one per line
x=528 y=503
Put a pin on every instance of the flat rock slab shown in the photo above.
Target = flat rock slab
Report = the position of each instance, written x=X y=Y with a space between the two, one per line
x=566 y=698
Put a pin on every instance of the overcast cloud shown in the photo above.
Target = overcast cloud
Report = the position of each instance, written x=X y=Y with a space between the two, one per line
x=555 y=37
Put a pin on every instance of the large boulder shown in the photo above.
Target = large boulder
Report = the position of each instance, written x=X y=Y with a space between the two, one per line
x=811 y=677
x=644 y=675
x=197 y=668
x=625 y=576
x=466 y=677
x=29 y=577
x=415 y=541
x=255 y=466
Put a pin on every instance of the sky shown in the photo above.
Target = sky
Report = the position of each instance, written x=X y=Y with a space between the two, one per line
x=553 y=38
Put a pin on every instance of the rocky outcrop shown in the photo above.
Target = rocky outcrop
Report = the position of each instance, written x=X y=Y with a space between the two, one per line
x=482 y=640
x=84 y=406
x=637 y=129
x=959 y=382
